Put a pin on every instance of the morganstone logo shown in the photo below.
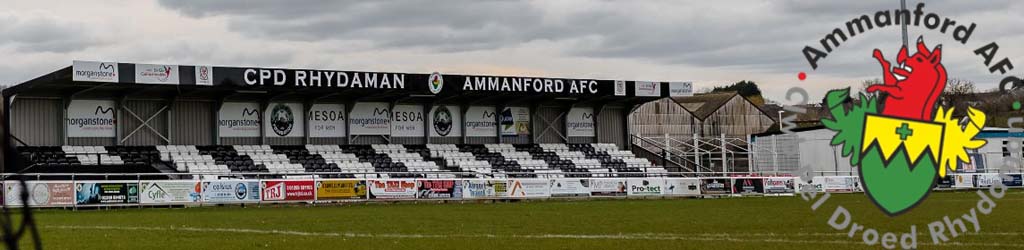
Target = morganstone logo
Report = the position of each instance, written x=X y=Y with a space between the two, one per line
x=282 y=119
x=95 y=71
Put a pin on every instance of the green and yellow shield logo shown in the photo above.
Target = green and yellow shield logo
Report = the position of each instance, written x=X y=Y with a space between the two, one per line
x=900 y=159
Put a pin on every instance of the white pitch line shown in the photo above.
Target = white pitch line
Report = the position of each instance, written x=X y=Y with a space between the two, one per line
x=741 y=238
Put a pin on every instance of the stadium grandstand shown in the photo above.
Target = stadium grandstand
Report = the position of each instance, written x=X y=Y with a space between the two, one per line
x=123 y=120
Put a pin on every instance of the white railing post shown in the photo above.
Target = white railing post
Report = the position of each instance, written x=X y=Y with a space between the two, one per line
x=724 y=160
x=750 y=154
x=668 y=151
x=696 y=152
x=775 y=155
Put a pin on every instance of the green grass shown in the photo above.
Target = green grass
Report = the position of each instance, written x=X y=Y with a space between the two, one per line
x=731 y=223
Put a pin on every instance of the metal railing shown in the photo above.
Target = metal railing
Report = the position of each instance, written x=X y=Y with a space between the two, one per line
x=402 y=175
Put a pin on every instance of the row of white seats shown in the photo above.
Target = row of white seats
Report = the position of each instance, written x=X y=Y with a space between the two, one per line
x=499 y=148
x=322 y=149
x=421 y=166
x=449 y=155
x=176 y=148
x=404 y=157
x=101 y=159
x=570 y=155
x=355 y=166
x=637 y=162
x=517 y=155
x=604 y=147
x=253 y=149
x=620 y=154
x=554 y=147
x=586 y=163
x=191 y=158
x=339 y=157
x=203 y=167
x=532 y=164
x=285 y=168
x=388 y=148
x=84 y=149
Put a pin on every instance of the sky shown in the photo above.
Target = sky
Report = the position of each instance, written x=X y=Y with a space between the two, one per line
x=710 y=43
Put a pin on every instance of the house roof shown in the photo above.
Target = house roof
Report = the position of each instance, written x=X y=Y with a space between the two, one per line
x=703 y=105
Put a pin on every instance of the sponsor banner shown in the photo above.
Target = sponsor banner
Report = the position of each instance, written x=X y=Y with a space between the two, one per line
x=481 y=121
x=580 y=122
x=986 y=180
x=608 y=187
x=963 y=180
x=1013 y=180
x=392 y=189
x=284 y=120
x=484 y=189
x=680 y=89
x=88 y=71
x=569 y=187
x=841 y=184
x=816 y=184
x=716 y=186
x=439 y=189
x=407 y=121
x=230 y=191
x=91 y=118
x=326 y=120
x=204 y=75
x=425 y=84
x=40 y=193
x=370 y=118
x=96 y=193
x=239 y=119
x=164 y=192
x=620 y=88
x=515 y=121
x=157 y=74
x=976 y=164
x=945 y=182
x=445 y=121
x=682 y=186
x=528 y=188
x=644 y=187
x=300 y=78
x=340 y=189
x=650 y=89
x=748 y=186
x=780 y=185
x=288 y=190
x=529 y=85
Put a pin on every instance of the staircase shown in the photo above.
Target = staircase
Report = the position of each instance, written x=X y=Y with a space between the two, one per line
x=706 y=156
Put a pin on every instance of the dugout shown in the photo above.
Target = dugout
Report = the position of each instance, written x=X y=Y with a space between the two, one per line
x=93 y=103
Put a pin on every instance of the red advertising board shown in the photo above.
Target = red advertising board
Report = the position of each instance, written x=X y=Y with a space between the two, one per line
x=288 y=190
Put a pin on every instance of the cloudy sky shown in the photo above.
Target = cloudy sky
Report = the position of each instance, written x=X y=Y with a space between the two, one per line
x=708 y=42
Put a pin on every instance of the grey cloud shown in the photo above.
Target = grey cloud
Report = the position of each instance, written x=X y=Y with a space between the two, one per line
x=33 y=33
x=762 y=36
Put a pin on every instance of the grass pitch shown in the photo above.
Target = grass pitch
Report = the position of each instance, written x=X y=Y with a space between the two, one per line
x=728 y=223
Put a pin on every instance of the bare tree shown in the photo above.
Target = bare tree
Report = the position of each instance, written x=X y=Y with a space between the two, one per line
x=863 y=89
x=957 y=91
x=958 y=87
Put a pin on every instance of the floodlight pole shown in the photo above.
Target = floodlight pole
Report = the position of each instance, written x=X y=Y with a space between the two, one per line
x=903 y=6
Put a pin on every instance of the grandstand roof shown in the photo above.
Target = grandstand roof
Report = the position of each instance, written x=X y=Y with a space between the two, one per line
x=86 y=80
